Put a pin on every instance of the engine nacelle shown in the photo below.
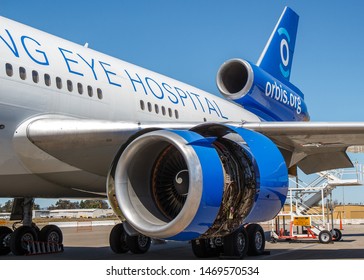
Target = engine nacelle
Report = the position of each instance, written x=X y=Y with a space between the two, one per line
x=208 y=181
x=163 y=183
x=260 y=92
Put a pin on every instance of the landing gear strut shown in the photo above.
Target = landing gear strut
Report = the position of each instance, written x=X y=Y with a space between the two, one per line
x=17 y=240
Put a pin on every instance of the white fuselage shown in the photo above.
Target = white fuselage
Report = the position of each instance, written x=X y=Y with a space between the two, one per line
x=41 y=74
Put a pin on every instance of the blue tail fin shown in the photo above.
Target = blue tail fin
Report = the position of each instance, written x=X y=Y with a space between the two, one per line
x=277 y=55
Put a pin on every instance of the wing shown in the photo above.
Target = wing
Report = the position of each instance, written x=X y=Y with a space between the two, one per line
x=313 y=146
x=92 y=145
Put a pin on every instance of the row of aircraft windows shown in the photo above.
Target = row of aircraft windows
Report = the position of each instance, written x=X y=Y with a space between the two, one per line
x=47 y=81
x=163 y=110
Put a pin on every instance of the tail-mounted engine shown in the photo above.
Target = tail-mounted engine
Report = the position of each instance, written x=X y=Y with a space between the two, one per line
x=207 y=181
x=260 y=92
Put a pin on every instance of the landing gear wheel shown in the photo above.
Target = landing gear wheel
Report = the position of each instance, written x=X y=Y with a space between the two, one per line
x=337 y=235
x=138 y=244
x=256 y=240
x=236 y=243
x=36 y=228
x=202 y=249
x=4 y=233
x=117 y=240
x=20 y=238
x=325 y=237
x=51 y=234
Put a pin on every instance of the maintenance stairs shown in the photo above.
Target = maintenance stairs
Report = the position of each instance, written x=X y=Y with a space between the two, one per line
x=306 y=196
x=305 y=204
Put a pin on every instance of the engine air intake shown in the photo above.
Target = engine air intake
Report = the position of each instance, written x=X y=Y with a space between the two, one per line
x=235 y=78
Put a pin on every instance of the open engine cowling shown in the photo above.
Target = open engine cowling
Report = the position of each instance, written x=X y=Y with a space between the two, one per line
x=179 y=185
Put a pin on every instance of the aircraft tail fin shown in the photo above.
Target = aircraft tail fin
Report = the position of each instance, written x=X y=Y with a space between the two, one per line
x=277 y=55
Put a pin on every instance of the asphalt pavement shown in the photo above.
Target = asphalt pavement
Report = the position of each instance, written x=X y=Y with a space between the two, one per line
x=92 y=243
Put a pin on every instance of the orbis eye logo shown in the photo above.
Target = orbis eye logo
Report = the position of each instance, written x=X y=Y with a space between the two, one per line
x=284 y=50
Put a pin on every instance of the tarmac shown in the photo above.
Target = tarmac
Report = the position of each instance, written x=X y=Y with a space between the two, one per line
x=92 y=243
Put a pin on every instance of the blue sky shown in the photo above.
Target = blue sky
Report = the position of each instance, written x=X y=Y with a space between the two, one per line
x=188 y=40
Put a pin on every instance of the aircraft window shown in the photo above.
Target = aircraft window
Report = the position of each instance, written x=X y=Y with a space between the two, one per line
x=47 y=79
x=170 y=112
x=149 y=107
x=79 y=88
x=163 y=110
x=90 y=91
x=69 y=86
x=156 y=108
x=35 y=76
x=99 y=93
x=22 y=73
x=176 y=114
x=9 y=69
x=142 y=105
x=59 y=82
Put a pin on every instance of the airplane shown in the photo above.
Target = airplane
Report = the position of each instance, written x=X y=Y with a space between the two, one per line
x=174 y=162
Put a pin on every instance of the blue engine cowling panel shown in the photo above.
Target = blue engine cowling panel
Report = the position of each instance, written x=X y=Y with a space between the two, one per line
x=273 y=176
x=271 y=173
x=212 y=186
x=273 y=100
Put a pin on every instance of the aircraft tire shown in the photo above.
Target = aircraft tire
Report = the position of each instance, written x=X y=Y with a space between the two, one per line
x=325 y=237
x=236 y=244
x=256 y=240
x=20 y=238
x=4 y=232
x=117 y=239
x=51 y=234
x=202 y=249
x=337 y=234
x=138 y=244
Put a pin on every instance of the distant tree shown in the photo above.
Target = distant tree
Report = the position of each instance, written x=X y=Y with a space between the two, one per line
x=335 y=203
x=100 y=204
x=65 y=204
x=8 y=206
x=36 y=206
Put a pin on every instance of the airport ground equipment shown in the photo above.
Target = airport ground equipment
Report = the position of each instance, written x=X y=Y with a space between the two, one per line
x=310 y=214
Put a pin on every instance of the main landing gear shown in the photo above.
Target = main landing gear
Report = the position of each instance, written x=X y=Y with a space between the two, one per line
x=124 y=239
x=18 y=240
x=249 y=240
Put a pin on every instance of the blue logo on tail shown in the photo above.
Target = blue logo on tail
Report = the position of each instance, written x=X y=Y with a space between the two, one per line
x=284 y=49
x=277 y=55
